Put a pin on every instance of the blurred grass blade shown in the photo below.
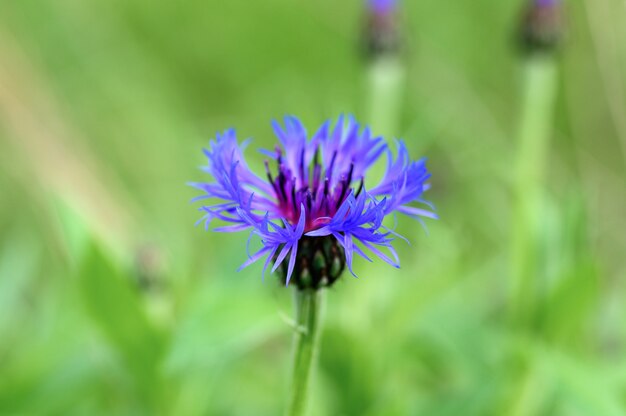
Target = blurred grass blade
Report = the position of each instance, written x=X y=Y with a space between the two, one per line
x=116 y=309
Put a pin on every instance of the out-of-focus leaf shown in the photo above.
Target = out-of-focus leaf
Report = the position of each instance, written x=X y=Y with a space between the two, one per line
x=348 y=367
x=568 y=310
x=585 y=388
x=19 y=261
x=225 y=324
x=570 y=279
x=112 y=302
x=74 y=231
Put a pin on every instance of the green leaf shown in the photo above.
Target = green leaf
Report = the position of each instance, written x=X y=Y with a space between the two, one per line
x=116 y=309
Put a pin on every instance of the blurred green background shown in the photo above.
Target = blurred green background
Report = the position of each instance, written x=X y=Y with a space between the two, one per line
x=111 y=302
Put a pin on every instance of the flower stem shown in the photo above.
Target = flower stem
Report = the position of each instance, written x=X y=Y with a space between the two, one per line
x=308 y=308
x=385 y=92
x=541 y=80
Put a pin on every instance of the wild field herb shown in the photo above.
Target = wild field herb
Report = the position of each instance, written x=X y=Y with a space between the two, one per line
x=314 y=212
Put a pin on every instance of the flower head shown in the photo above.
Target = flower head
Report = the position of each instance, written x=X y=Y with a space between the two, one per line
x=314 y=212
x=542 y=26
x=381 y=32
x=382 y=6
x=547 y=3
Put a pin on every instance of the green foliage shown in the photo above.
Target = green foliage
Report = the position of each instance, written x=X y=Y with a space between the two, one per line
x=116 y=310
x=111 y=302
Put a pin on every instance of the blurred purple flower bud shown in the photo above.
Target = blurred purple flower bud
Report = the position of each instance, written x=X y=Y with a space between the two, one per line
x=542 y=26
x=381 y=34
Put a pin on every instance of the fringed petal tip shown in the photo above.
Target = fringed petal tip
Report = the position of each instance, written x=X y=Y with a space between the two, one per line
x=317 y=193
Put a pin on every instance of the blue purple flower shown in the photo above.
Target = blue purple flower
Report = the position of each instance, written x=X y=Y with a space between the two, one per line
x=382 y=6
x=547 y=3
x=315 y=211
x=381 y=36
x=542 y=27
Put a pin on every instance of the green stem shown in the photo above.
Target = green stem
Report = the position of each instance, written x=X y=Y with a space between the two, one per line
x=385 y=92
x=540 y=86
x=308 y=308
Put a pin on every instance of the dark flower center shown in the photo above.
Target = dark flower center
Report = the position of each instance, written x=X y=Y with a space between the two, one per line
x=319 y=263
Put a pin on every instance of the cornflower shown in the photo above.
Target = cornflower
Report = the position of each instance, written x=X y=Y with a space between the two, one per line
x=314 y=212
